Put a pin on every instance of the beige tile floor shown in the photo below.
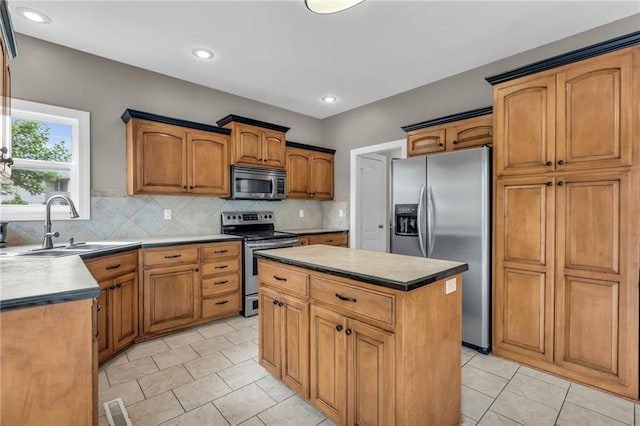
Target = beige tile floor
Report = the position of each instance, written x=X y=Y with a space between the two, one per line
x=210 y=376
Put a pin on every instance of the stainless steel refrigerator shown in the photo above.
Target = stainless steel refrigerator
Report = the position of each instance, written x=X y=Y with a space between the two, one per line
x=441 y=209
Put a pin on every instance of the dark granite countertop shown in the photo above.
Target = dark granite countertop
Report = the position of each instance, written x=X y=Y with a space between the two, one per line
x=33 y=281
x=404 y=273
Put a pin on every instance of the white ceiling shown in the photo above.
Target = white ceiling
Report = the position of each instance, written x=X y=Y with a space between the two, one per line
x=279 y=53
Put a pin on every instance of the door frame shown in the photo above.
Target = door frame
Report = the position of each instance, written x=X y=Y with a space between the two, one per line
x=354 y=235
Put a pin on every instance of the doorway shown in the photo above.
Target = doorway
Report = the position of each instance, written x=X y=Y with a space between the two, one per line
x=370 y=194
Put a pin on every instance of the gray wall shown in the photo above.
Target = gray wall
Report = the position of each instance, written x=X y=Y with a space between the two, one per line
x=380 y=121
x=53 y=74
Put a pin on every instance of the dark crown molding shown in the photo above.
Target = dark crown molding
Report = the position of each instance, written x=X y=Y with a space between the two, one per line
x=6 y=27
x=568 y=58
x=449 y=118
x=293 y=144
x=244 y=120
x=128 y=114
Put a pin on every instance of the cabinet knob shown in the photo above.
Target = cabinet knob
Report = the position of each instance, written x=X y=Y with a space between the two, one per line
x=440 y=144
x=98 y=308
x=455 y=142
x=338 y=328
x=549 y=183
x=275 y=302
x=112 y=287
x=561 y=162
x=118 y=285
x=548 y=163
x=184 y=187
x=347 y=332
x=191 y=187
x=280 y=304
x=196 y=270
x=560 y=183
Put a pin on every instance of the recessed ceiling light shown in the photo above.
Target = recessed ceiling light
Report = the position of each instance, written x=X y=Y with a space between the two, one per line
x=201 y=53
x=329 y=99
x=33 y=15
x=330 y=6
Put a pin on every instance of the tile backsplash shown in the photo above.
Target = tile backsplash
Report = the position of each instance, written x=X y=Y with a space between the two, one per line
x=120 y=217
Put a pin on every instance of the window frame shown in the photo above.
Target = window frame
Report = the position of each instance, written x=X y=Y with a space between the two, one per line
x=79 y=167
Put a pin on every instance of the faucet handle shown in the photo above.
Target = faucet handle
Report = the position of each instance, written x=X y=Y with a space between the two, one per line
x=52 y=234
x=71 y=241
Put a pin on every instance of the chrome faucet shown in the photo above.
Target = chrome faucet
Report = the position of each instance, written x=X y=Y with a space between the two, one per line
x=47 y=242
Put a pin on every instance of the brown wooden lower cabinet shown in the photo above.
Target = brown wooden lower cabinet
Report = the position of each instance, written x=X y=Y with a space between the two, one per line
x=340 y=239
x=48 y=365
x=392 y=359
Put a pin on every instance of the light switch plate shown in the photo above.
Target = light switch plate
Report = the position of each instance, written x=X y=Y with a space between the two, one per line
x=450 y=286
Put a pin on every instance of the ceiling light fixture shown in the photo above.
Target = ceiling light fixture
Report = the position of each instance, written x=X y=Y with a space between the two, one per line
x=201 y=53
x=329 y=99
x=33 y=15
x=330 y=6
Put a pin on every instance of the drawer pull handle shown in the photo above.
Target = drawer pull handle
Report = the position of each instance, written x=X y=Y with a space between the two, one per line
x=222 y=303
x=329 y=241
x=172 y=256
x=347 y=332
x=221 y=282
x=220 y=251
x=222 y=267
x=116 y=266
x=345 y=299
x=279 y=278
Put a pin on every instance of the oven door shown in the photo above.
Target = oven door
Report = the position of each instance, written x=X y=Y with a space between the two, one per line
x=250 y=284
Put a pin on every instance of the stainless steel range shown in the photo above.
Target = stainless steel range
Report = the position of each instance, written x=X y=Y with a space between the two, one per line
x=258 y=231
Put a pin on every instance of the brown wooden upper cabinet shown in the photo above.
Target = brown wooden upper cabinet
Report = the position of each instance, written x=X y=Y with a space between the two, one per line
x=256 y=143
x=309 y=172
x=468 y=129
x=174 y=157
x=571 y=118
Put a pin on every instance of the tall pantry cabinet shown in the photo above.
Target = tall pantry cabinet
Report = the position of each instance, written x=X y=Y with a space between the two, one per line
x=566 y=230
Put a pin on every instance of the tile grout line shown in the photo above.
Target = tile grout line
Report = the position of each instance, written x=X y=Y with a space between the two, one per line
x=498 y=396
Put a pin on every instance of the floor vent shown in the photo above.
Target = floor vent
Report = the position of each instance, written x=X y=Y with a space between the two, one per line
x=116 y=413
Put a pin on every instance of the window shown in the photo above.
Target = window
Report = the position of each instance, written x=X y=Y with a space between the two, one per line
x=50 y=149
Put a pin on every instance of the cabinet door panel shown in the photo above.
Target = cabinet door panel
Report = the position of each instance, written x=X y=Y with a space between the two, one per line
x=524 y=220
x=471 y=133
x=425 y=141
x=595 y=112
x=525 y=126
x=248 y=144
x=322 y=176
x=105 y=340
x=171 y=297
x=589 y=225
x=269 y=343
x=209 y=163
x=125 y=310
x=524 y=315
x=273 y=148
x=589 y=321
x=370 y=356
x=161 y=156
x=295 y=344
x=298 y=173
x=328 y=364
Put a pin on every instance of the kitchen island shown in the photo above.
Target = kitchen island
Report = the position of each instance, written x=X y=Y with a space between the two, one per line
x=368 y=338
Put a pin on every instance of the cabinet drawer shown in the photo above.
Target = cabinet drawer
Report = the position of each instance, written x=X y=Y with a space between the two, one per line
x=367 y=303
x=169 y=256
x=110 y=266
x=220 y=284
x=282 y=278
x=329 y=239
x=221 y=267
x=221 y=306
x=214 y=251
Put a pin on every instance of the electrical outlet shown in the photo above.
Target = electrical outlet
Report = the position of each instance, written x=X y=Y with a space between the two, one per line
x=450 y=286
x=167 y=214
x=301 y=213
x=340 y=213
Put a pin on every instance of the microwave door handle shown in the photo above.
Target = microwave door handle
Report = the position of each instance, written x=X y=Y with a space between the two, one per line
x=274 y=186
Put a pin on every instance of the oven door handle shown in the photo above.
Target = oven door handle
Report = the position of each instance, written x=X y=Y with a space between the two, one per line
x=283 y=244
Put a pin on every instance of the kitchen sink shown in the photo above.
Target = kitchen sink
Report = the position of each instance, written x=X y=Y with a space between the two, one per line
x=92 y=246
x=46 y=253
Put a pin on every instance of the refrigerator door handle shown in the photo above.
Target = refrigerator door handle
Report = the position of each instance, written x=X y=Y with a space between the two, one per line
x=419 y=218
x=431 y=220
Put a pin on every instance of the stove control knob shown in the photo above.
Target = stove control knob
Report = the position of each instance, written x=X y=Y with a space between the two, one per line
x=269 y=216
x=228 y=217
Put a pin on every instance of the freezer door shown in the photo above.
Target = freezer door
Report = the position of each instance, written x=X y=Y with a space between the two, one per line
x=459 y=225
x=407 y=179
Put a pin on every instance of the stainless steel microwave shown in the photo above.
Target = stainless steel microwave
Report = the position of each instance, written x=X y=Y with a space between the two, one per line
x=257 y=183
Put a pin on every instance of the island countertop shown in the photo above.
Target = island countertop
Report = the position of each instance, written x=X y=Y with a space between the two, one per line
x=395 y=271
